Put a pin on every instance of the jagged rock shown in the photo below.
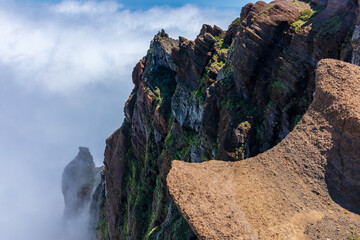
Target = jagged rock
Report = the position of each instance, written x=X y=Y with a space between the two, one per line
x=186 y=108
x=356 y=46
x=269 y=63
x=263 y=31
x=137 y=73
x=211 y=116
x=272 y=120
x=214 y=31
x=77 y=183
x=302 y=188
x=161 y=47
x=191 y=57
x=115 y=162
x=96 y=206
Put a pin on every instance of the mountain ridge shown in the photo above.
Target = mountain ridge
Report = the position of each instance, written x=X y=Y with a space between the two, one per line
x=227 y=95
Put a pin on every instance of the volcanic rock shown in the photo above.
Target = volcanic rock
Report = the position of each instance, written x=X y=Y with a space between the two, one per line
x=306 y=187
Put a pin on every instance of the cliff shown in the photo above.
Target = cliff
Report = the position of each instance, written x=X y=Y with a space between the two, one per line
x=307 y=186
x=78 y=180
x=227 y=95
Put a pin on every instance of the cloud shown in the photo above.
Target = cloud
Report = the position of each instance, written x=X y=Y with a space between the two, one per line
x=66 y=46
x=87 y=48
x=90 y=7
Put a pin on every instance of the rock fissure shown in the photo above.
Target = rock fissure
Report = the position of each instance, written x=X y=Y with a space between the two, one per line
x=231 y=95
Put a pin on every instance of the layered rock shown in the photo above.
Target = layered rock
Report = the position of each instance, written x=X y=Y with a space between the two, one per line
x=305 y=187
x=226 y=95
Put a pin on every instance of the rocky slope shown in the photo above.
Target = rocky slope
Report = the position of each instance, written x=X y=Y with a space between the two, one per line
x=306 y=187
x=226 y=95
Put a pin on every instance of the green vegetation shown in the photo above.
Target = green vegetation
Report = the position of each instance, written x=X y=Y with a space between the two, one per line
x=228 y=80
x=103 y=225
x=180 y=147
x=354 y=234
x=330 y=26
x=236 y=22
x=305 y=16
x=245 y=124
x=296 y=3
x=296 y=25
x=176 y=226
x=156 y=206
x=220 y=42
x=238 y=104
x=200 y=92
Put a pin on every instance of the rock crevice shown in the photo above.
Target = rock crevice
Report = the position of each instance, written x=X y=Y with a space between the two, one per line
x=301 y=188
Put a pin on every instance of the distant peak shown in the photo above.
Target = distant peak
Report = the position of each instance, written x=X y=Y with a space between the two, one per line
x=84 y=149
x=84 y=154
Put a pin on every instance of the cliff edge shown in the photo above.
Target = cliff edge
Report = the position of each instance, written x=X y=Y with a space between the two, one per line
x=306 y=187
x=228 y=95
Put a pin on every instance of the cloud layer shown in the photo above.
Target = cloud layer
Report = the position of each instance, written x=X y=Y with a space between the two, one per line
x=65 y=74
x=64 y=46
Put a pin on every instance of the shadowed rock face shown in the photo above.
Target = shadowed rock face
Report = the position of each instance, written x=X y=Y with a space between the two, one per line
x=226 y=95
x=356 y=46
x=78 y=180
x=301 y=189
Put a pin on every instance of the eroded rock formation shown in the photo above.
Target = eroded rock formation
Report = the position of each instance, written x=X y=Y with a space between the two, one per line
x=78 y=180
x=306 y=187
x=227 y=95
x=84 y=195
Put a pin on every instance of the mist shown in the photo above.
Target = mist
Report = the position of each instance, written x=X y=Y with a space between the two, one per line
x=65 y=72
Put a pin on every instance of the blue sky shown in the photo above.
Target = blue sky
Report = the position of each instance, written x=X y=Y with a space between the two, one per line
x=65 y=74
x=141 y=4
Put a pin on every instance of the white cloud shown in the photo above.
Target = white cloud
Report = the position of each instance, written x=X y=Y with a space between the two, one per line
x=65 y=46
x=90 y=7
x=90 y=49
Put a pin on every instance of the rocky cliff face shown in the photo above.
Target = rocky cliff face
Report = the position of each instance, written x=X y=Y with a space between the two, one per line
x=226 y=95
x=303 y=188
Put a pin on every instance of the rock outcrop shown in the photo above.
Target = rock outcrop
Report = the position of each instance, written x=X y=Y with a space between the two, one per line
x=84 y=195
x=306 y=187
x=227 y=95
x=78 y=180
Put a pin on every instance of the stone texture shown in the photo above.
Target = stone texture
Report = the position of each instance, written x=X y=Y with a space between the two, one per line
x=356 y=46
x=78 y=181
x=186 y=108
x=191 y=57
x=307 y=186
x=202 y=99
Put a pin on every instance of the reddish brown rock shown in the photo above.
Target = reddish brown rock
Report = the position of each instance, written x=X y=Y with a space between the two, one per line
x=138 y=73
x=307 y=186
x=214 y=31
x=191 y=57
x=116 y=149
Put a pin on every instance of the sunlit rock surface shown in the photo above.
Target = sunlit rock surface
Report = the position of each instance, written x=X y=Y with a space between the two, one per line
x=306 y=187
